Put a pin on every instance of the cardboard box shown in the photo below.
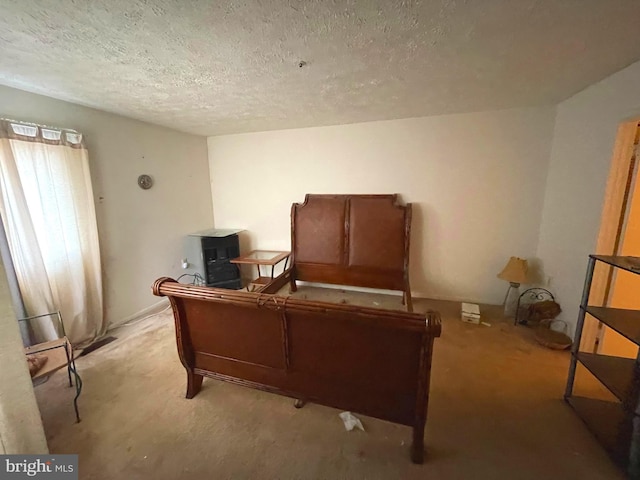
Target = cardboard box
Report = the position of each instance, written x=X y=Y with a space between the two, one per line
x=470 y=313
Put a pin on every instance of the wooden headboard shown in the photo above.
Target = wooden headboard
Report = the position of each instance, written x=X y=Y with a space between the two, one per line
x=357 y=240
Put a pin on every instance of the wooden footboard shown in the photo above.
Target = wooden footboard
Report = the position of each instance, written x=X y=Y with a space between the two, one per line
x=371 y=361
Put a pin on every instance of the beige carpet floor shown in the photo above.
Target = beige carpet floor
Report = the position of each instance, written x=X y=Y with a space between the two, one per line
x=496 y=413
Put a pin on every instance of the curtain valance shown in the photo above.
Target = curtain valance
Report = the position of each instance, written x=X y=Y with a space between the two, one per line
x=30 y=132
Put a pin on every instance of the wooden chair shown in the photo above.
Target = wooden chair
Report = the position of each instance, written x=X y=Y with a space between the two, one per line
x=59 y=354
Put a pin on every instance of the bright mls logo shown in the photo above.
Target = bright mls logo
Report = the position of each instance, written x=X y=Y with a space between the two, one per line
x=52 y=467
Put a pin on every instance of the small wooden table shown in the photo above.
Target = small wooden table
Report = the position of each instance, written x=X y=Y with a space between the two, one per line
x=262 y=257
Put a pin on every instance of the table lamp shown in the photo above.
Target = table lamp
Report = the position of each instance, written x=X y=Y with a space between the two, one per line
x=515 y=272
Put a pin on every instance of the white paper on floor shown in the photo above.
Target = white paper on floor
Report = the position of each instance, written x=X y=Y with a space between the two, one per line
x=351 y=421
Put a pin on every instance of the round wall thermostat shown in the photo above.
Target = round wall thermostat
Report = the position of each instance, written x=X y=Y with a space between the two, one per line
x=145 y=182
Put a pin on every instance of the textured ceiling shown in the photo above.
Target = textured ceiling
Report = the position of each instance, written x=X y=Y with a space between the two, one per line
x=225 y=67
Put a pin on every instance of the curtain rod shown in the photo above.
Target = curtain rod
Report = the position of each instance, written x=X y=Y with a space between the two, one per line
x=31 y=124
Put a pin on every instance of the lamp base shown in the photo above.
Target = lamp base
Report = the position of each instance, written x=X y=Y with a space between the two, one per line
x=511 y=299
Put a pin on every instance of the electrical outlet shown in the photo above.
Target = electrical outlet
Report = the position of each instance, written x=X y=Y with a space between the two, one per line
x=185 y=263
x=549 y=279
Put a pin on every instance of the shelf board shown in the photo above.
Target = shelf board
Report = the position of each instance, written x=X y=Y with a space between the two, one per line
x=625 y=322
x=619 y=375
x=630 y=264
x=605 y=421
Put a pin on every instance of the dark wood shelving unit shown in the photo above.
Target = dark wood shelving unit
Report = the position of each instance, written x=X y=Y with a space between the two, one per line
x=616 y=425
x=630 y=264
x=606 y=421
x=615 y=373
x=625 y=322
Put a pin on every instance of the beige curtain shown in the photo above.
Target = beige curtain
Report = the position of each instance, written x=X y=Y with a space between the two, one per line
x=47 y=207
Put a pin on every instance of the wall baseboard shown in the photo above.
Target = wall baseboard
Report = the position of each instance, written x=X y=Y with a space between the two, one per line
x=145 y=312
x=448 y=298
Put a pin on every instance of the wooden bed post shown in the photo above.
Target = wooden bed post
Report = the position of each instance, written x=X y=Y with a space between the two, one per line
x=406 y=295
x=185 y=349
x=292 y=280
x=194 y=383
x=417 y=447
x=422 y=400
x=406 y=298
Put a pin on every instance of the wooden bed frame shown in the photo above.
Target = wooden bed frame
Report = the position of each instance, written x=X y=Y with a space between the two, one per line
x=367 y=360
x=370 y=361
x=357 y=240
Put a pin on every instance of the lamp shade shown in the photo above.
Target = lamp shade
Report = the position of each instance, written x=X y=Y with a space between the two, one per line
x=515 y=271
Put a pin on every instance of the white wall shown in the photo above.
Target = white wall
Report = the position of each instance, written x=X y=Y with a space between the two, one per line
x=476 y=181
x=20 y=424
x=140 y=231
x=583 y=140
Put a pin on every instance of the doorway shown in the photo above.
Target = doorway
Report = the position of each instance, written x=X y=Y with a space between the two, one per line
x=619 y=235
